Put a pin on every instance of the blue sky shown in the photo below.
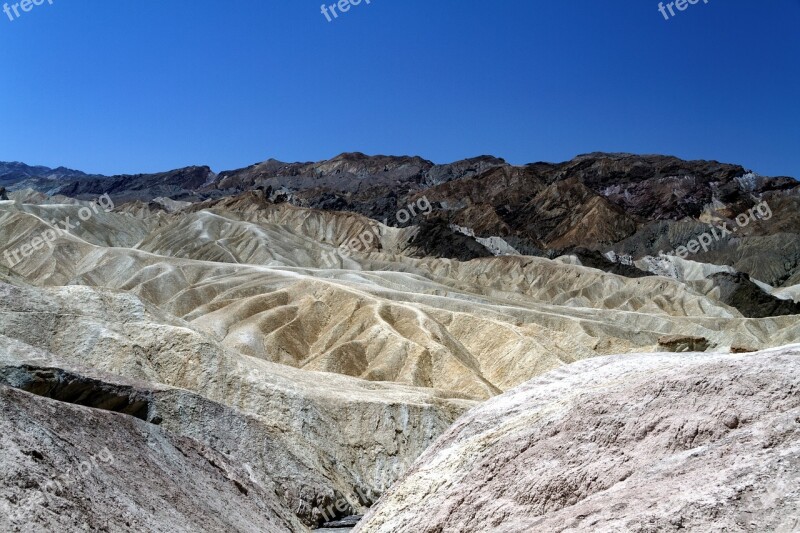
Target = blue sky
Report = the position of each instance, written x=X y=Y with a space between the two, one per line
x=114 y=87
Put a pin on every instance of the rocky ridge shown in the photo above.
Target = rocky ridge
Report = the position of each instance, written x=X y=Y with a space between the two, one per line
x=630 y=204
x=645 y=442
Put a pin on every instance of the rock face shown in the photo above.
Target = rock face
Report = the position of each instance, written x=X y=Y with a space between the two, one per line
x=680 y=343
x=312 y=440
x=690 y=442
x=73 y=388
x=69 y=468
x=738 y=291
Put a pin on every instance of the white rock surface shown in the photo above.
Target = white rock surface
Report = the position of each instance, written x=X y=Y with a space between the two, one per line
x=689 y=442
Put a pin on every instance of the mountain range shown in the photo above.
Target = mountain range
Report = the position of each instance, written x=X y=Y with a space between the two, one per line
x=291 y=345
x=633 y=206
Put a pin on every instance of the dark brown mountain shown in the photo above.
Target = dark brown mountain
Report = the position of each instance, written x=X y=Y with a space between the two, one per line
x=19 y=175
x=634 y=205
x=179 y=184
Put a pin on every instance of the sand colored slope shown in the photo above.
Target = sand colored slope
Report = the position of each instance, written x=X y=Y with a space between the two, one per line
x=480 y=327
x=318 y=437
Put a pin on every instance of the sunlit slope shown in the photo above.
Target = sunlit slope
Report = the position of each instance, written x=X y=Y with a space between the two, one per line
x=318 y=437
x=261 y=282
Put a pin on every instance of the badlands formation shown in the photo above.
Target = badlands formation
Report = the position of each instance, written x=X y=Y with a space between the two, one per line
x=272 y=348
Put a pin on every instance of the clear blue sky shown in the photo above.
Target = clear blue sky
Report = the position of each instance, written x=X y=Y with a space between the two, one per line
x=110 y=87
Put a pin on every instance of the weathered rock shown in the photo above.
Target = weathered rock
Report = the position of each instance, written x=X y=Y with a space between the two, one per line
x=70 y=387
x=691 y=442
x=738 y=291
x=742 y=349
x=683 y=343
x=69 y=468
x=348 y=521
x=319 y=438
